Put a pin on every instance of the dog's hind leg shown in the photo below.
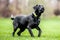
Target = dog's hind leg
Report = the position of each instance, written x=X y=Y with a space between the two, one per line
x=39 y=34
x=14 y=31
x=20 y=31
x=15 y=26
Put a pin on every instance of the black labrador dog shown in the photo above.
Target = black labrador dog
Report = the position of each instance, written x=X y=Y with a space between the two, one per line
x=28 y=22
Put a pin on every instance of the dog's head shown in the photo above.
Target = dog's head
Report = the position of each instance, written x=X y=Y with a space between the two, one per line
x=39 y=9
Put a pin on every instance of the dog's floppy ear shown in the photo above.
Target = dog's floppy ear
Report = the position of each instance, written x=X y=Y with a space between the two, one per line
x=35 y=7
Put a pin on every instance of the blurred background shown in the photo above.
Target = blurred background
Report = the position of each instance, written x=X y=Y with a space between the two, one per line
x=17 y=7
x=50 y=19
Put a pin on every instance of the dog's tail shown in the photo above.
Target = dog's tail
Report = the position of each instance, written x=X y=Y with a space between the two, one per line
x=12 y=17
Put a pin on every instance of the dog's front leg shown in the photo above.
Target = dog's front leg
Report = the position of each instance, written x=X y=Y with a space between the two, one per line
x=30 y=31
x=39 y=30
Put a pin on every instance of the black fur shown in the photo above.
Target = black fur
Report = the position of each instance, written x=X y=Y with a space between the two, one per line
x=28 y=22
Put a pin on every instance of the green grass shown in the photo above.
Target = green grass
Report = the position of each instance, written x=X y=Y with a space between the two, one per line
x=50 y=30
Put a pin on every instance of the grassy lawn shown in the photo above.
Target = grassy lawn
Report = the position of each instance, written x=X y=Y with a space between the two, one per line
x=50 y=30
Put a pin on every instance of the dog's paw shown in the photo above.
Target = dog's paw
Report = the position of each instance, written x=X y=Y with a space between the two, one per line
x=38 y=36
x=32 y=36
x=18 y=34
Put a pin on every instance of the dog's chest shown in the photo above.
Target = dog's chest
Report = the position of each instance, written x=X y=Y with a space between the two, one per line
x=34 y=21
x=34 y=24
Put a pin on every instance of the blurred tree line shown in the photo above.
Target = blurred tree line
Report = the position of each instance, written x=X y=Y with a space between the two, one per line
x=17 y=7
